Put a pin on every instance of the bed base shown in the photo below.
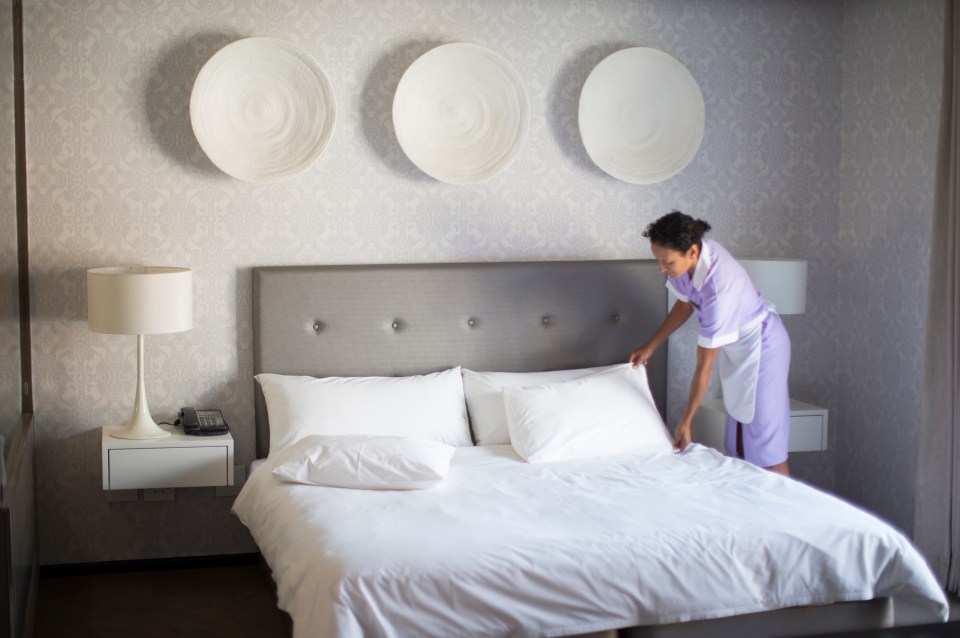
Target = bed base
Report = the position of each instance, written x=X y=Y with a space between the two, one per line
x=781 y=623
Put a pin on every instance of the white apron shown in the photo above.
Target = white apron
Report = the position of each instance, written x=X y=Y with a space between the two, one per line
x=739 y=370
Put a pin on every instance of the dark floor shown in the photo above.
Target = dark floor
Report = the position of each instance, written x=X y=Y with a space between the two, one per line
x=233 y=601
x=229 y=600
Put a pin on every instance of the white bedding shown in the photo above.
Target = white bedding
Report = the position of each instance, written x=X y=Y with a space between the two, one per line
x=503 y=547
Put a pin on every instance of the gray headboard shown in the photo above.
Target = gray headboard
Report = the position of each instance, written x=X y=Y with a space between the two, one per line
x=388 y=320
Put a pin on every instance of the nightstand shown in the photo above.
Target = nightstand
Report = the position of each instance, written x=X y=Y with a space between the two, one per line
x=178 y=461
x=808 y=426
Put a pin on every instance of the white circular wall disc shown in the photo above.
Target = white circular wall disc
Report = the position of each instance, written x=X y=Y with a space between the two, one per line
x=262 y=109
x=641 y=115
x=461 y=113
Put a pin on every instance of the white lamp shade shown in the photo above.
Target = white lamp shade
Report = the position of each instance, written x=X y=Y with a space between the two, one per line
x=782 y=282
x=138 y=300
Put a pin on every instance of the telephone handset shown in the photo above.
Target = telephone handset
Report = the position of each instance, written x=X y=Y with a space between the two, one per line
x=202 y=422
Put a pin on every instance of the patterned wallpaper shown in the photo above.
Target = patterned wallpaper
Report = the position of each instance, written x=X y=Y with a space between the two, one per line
x=116 y=177
x=9 y=292
x=892 y=65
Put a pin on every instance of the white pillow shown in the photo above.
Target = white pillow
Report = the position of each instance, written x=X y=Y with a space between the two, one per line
x=484 y=394
x=429 y=407
x=364 y=462
x=610 y=412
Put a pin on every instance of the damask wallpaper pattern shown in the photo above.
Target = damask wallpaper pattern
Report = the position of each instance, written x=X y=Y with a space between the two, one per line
x=893 y=66
x=10 y=402
x=116 y=177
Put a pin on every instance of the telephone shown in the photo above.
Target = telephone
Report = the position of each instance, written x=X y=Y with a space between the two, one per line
x=202 y=422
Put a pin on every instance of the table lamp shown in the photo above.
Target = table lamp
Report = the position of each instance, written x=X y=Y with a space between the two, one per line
x=140 y=300
x=782 y=282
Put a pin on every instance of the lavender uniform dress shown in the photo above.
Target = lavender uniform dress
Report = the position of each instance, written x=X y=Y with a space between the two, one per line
x=754 y=358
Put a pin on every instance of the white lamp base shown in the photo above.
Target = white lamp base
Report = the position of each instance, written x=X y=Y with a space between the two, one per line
x=139 y=428
x=140 y=425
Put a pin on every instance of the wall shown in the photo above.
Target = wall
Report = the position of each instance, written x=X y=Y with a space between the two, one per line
x=116 y=177
x=9 y=287
x=892 y=65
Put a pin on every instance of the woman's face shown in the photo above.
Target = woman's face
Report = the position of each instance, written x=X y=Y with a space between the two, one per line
x=673 y=262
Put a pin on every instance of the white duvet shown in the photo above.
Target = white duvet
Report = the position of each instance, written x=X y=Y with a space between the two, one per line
x=503 y=547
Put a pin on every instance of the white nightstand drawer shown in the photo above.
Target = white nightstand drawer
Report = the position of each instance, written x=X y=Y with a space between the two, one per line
x=807 y=433
x=178 y=461
x=167 y=467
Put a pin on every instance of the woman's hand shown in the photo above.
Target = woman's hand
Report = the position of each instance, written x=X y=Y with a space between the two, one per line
x=641 y=355
x=682 y=436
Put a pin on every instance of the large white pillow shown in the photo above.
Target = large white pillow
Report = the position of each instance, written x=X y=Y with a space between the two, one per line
x=427 y=406
x=364 y=462
x=609 y=412
x=484 y=394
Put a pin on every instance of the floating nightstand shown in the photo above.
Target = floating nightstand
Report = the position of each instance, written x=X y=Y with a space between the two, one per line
x=179 y=460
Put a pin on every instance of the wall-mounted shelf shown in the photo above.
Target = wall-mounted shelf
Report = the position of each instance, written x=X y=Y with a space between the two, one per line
x=178 y=461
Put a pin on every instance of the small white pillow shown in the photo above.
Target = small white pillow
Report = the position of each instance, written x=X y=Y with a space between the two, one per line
x=610 y=412
x=484 y=394
x=364 y=462
x=428 y=406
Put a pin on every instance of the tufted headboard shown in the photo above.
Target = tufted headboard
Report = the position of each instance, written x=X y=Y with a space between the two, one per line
x=387 y=320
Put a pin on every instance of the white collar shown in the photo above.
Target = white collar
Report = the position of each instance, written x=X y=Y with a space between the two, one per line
x=703 y=264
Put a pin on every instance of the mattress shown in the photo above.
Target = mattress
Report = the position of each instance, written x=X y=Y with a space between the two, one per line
x=503 y=547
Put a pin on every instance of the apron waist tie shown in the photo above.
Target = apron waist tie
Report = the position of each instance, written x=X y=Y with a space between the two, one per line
x=756 y=321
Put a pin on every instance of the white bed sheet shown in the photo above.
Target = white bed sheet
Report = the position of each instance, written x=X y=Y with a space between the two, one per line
x=503 y=547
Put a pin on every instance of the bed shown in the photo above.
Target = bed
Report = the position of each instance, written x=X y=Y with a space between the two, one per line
x=634 y=541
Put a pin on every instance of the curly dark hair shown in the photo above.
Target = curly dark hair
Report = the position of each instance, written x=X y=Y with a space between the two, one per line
x=677 y=231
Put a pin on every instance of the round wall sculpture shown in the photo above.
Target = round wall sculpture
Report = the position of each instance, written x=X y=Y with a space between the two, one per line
x=641 y=115
x=461 y=113
x=262 y=109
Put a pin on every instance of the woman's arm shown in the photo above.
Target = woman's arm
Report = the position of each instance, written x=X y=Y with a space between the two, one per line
x=698 y=386
x=678 y=316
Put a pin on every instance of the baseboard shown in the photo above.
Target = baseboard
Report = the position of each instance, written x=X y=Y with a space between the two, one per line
x=152 y=564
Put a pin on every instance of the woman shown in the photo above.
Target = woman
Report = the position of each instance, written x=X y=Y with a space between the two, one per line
x=737 y=326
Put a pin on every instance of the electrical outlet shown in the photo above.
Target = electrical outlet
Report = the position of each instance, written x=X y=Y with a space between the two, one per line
x=158 y=494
